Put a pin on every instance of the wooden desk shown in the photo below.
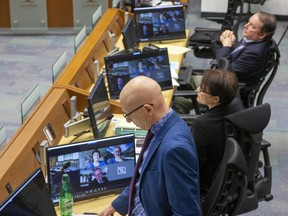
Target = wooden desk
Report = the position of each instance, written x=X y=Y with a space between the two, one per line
x=94 y=205
x=18 y=158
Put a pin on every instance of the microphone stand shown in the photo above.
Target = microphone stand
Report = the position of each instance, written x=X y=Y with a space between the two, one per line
x=90 y=129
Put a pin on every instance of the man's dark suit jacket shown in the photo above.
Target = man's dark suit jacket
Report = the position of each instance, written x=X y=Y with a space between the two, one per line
x=248 y=63
x=95 y=183
x=209 y=136
x=169 y=182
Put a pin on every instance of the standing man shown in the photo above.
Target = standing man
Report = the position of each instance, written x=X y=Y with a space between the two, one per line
x=168 y=177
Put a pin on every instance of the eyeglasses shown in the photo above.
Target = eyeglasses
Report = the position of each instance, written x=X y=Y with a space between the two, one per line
x=126 y=115
x=203 y=91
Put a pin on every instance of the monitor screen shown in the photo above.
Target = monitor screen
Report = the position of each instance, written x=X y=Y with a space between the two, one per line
x=130 y=39
x=99 y=108
x=123 y=67
x=160 y=23
x=31 y=198
x=95 y=168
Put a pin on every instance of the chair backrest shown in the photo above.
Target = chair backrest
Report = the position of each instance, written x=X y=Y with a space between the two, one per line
x=247 y=127
x=231 y=14
x=257 y=93
x=228 y=187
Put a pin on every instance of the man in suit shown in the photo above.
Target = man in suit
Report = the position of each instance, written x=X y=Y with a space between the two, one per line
x=99 y=179
x=168 y=181
x=248 y=57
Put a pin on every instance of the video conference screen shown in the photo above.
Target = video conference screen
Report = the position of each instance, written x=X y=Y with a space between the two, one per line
x=95 y=168
x=160 y=23
x=123 y=67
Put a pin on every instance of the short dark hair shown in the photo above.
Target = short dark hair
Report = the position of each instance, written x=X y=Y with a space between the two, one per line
x=95 y=152
x=269 y=23
x=220 y=83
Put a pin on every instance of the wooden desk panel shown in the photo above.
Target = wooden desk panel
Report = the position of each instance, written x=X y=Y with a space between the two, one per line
x=17 y=159
x=96 y=46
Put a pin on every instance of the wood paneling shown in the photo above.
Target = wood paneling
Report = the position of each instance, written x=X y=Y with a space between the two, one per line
x=5 y=14
x=60 y=13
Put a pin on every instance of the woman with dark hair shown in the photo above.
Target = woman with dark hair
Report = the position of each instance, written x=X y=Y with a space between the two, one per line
x=96 y=159
x=217 y=90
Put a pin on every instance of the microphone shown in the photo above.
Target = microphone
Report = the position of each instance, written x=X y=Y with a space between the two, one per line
x=86 y=131
x=64 y=166
x=106 y=119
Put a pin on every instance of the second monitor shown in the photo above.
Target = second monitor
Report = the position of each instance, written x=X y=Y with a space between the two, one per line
x=160 y=23
x=123 y=67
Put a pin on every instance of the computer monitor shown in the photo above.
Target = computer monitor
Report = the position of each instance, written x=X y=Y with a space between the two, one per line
x=129 y=33
x=123 y=67
x=85 y=162
x=99 y=108
x=160 y=23
x=31 y=198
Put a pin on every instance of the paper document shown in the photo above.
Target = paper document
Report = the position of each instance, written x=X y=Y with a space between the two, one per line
x=176 y=50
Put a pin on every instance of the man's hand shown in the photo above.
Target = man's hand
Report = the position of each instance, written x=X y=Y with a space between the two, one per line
x=108 y=211
x=227 y=38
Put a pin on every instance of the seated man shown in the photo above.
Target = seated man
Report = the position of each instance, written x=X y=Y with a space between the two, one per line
x=217 y=90
x=247 y=59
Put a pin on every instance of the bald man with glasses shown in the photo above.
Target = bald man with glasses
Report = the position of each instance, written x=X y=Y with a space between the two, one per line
x=167 y=178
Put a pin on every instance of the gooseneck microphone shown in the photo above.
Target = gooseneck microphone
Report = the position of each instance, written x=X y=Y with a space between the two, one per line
x=90 y=129
x=64 y=166
x=106 y=119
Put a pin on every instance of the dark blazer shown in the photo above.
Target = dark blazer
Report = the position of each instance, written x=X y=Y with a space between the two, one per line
x=95 y=183
x=247 y=63
x=169 y=183
x=208 y=132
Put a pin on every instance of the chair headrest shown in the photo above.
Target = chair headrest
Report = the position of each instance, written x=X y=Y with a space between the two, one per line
x=252 y=120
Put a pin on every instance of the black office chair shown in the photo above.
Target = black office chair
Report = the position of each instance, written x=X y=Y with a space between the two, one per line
x=205 y=41
x=247 y=128
x=257 y=93
x=229 y=186
x=249 y=2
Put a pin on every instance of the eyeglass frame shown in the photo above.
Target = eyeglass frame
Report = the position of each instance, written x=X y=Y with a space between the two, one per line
x=203 y=91
x=126 y=115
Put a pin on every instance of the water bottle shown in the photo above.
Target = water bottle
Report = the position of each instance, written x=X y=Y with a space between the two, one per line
x=66 y=197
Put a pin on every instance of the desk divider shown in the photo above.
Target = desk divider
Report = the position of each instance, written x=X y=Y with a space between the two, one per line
x=79 y=38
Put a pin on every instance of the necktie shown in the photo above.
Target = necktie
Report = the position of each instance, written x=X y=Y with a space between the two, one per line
x=136 y=173
x=241 y=46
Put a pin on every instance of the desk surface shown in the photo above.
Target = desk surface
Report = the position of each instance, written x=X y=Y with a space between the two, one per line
x=94 y=205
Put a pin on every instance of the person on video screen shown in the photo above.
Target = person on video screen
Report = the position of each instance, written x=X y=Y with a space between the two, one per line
x=96 y=159
x=98 y=178
x=117 y=156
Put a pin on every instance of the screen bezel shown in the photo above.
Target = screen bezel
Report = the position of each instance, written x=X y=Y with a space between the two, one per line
x=112 y=187
x=37 y=179
x=157 y=10
x=129 y=32
x=93 y=99
x=136 y=56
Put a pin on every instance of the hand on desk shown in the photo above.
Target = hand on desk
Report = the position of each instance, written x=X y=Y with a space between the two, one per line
x=108 y=211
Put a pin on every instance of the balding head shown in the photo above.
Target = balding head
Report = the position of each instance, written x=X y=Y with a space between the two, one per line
x=140 y=91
